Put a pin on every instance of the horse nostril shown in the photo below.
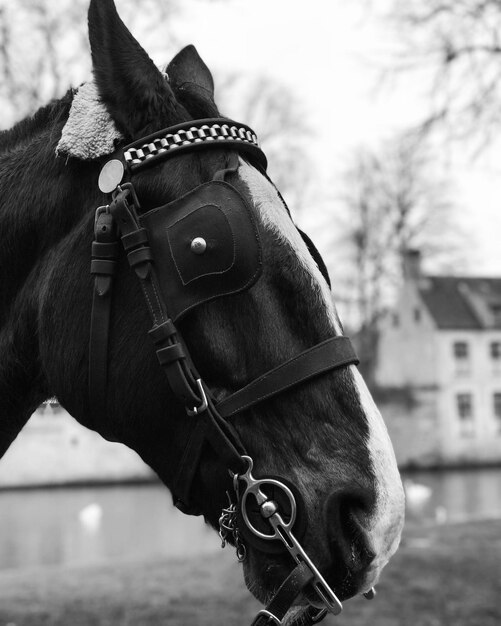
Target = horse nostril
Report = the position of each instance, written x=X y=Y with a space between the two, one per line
x=348 y=514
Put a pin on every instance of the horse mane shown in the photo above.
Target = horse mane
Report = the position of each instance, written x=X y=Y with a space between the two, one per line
x=51 y=113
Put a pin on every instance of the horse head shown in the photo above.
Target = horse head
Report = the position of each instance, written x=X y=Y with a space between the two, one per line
x=321 y=441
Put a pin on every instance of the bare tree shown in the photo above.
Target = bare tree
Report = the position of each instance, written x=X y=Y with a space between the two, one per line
x=44 y=48
x=275 y=113
x=455 y=45
x=394 y=202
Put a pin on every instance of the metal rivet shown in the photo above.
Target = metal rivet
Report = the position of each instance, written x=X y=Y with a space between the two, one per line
x=268 y=508
x=198 y=245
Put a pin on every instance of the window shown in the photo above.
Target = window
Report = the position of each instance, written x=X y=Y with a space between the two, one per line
x=462 y=357
x=497 y=410
x=496 y=314
x=465 y=414
x=460 y=350
x=495 y=353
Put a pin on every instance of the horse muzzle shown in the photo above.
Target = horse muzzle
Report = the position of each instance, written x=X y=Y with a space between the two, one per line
x=266 y=516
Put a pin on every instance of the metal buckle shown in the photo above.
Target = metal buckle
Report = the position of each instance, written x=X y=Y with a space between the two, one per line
x=269 y=616
x=319 y=616
x=196 y=410
x=99 y=211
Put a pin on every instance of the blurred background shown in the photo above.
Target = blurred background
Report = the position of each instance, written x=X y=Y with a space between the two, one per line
x=381 y=123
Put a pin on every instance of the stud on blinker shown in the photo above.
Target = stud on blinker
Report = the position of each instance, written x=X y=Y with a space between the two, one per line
x=198 y=245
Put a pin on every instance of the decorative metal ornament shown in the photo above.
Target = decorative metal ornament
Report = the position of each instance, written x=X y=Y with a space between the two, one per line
x=198 y=245
x=111 y=176
x=228 y=526
x=165 y=142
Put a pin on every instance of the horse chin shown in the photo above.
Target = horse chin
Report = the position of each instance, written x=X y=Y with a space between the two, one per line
x=263 y=591
x=264 y=587
x=263 y=575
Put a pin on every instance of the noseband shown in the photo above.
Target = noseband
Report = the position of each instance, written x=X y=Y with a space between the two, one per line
x=203 y=246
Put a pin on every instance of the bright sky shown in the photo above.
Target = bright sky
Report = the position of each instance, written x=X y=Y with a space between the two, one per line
x=330 y=53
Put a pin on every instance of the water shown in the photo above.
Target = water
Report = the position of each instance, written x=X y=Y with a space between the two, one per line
x=97 y=525
x=111 y=524
x=455 y=496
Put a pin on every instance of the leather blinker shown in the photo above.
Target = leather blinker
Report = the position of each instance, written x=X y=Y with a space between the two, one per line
x=215 y=252
x=228 y=261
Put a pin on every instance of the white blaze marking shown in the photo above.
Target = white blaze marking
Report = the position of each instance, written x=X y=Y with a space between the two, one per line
x=275 y=217
x=387 y=521
x=388 y=517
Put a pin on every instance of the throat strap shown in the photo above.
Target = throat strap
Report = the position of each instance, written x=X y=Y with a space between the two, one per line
x=323 y=357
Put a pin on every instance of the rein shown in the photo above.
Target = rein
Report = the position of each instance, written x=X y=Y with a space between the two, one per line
x=177 y=272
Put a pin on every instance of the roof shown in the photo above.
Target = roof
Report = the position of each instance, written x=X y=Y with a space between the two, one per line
x=469 y=303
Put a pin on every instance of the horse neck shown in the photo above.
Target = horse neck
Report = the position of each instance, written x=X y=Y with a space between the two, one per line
x=42 y=198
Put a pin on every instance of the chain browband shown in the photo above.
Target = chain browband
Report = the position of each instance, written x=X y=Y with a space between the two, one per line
x=210 y=425
x=201 y=134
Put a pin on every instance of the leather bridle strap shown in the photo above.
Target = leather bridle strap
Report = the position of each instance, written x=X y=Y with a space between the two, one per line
x=330 y=354
x=105 y=250
x=288 y=591
x=174 y=357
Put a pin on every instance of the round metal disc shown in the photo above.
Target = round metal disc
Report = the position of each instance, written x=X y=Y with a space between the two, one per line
x=111 y=176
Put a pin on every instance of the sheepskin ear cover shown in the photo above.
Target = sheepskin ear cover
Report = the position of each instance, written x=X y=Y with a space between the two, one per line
x=90 y=132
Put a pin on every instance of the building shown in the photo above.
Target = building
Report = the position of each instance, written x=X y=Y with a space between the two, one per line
x=54 y=449
x=439 y=369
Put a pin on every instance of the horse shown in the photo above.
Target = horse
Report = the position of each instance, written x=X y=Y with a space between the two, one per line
x=260 y=377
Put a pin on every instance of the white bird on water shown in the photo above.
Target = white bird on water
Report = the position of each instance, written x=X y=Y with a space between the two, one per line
x=416 y=494
x=90 y=516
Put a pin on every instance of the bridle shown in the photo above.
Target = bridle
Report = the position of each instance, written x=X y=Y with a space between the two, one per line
x=174 y=278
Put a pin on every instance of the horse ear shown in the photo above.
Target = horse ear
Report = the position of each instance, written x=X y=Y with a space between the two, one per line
x=192 y=82
x=135 y=92
x=188 y=67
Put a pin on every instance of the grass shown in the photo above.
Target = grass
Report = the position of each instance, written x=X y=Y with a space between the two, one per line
x=446 y=575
